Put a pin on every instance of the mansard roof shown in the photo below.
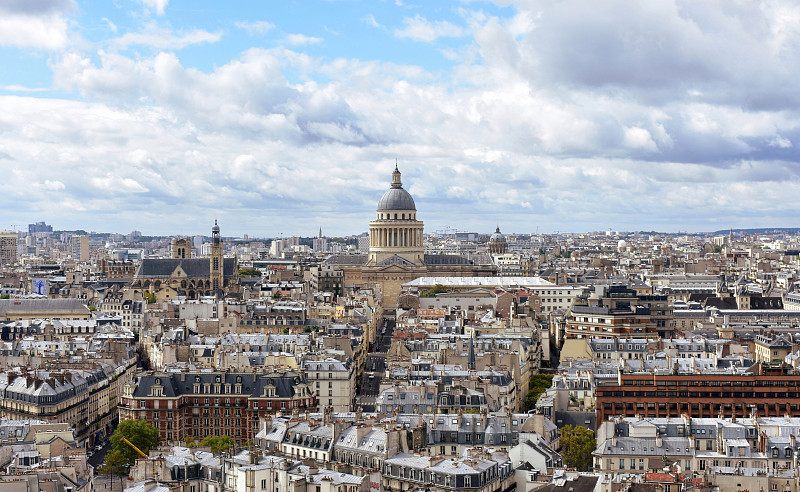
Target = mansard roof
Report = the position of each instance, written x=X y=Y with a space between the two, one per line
x=176 y=384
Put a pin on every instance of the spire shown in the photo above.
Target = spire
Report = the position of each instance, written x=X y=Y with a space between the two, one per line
x=498 y=229
x=320 y=232
x=471 y=356
x=396 y=182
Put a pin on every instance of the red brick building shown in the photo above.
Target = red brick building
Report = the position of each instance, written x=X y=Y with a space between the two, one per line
x=765 y=390
x=201 y=404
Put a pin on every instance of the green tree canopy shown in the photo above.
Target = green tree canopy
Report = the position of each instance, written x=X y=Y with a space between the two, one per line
x=577 y=445
x=436 y=289
x=537 y=385
x=217 y=443
x=249 y=272
x=140 y=433
x=116 y=465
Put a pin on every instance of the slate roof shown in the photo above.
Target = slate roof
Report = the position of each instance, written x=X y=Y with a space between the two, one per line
x=175 y=384
x=194 y=267
x=447 y=260
x=577 y=484
x=346 y=260
x=373 y=441
x=36 y=306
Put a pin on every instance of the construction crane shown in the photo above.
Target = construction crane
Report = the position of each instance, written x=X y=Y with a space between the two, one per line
x=134 y=447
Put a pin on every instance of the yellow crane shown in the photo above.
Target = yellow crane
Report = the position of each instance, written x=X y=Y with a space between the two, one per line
x=134 y=447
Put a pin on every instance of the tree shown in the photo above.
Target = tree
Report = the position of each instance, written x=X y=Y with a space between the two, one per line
x=537 y=385
x=140 y=433
x=217 y=443
x=577 y=445
x=436 y=289
x=116 y=465
x=249 y=272
x=150 y=297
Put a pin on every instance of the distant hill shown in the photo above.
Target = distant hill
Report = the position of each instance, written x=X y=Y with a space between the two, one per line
x=761 y=230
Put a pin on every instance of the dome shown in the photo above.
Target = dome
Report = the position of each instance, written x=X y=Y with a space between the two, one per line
x=396 y=199
x=497 y=237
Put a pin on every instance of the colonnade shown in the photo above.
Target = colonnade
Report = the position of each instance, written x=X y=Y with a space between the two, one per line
x=389 y=237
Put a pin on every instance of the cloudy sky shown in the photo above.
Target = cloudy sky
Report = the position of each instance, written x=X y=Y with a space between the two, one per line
x=280 y=117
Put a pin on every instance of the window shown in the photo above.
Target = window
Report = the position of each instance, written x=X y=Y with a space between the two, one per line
x=264 y=484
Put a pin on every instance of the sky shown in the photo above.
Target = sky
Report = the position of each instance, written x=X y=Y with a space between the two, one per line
x=281 y=117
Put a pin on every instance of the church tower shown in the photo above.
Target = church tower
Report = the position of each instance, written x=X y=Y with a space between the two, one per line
x=395 y=236
x=180 y=248
x=216 y=259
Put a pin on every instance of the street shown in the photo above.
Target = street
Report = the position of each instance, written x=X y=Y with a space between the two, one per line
x=102 y=484
x=375 y=368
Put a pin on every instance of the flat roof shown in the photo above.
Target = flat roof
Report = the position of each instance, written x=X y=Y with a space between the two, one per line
x=505 y=281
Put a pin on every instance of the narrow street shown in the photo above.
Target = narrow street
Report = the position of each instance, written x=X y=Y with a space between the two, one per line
x=375 y=368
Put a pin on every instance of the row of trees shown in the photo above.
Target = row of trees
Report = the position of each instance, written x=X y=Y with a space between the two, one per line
x=537 y=385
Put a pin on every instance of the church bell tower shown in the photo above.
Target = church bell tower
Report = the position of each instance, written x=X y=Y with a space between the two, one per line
x=216 y=259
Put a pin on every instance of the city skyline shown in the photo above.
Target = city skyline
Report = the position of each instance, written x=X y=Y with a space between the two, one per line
x=161 y=115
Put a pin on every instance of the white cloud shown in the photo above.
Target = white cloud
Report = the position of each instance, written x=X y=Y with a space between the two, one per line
x=111 y=25
x=519 y=123
x=255 y=27
x=116 y=184
x=48 y=30
x=780 y=142
x=300 y=39
x=419 y=28
x=165 y=39
x=639 y=138
x=53 y=185
x=157 y=5
x=370 y=20
x=21 y=88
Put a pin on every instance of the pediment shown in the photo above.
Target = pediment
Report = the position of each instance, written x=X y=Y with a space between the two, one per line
x=396 y=260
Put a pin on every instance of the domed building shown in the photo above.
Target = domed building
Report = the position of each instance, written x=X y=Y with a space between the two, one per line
x=395 y=236
x=497 y=243
x=397 y=251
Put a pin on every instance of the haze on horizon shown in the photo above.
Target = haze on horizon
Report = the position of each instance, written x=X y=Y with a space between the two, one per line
x=161 y=115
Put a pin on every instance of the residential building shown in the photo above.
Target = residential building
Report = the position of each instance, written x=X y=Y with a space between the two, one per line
x=333 y=381
x=213 y=403
x=8 y=247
